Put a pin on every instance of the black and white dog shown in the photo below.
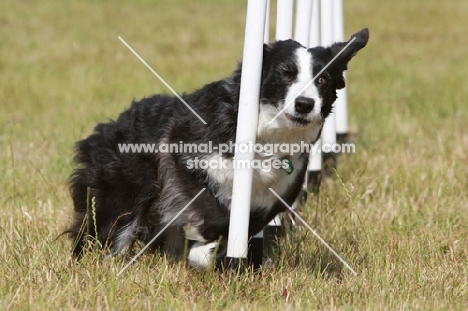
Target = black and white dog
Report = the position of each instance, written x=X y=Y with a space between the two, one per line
x=137 y=194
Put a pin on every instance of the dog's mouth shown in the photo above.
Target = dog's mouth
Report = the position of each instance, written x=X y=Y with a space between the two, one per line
x=299 y=121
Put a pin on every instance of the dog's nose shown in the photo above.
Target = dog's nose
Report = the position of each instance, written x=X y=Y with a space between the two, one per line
x=304 y=104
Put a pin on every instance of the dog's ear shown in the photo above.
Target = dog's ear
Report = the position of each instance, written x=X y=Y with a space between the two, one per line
x=346 y=51
x=349 y=49
x=267 y=48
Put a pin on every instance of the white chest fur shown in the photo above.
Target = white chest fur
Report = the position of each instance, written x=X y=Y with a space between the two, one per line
x=221 y=178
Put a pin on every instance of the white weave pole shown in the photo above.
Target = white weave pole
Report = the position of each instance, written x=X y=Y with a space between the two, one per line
x=302 y=27
x=284 y=19
x=326 y=39
x=314 y=168
x=266 y=37
x=284 y=27
x=256 y=245
x=314 y=38
x=248 y=116
x=341 y=104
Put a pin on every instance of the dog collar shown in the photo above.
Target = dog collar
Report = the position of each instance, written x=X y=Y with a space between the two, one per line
x=290 y=168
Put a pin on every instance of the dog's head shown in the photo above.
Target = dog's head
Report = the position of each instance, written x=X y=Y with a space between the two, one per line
x=299 y=85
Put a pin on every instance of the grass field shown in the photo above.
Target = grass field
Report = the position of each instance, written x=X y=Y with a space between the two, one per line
x=398 y=212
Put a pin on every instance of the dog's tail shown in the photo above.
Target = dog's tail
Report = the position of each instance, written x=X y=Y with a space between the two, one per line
x=111 y=190
x=93 y=193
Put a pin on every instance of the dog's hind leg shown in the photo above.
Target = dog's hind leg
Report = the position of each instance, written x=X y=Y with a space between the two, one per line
x=125 y=238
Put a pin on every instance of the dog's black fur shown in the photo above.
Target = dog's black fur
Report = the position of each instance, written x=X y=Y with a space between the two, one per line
x=144 y=191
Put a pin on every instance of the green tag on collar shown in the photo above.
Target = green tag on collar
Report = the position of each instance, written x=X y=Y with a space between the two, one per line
x=290 y=168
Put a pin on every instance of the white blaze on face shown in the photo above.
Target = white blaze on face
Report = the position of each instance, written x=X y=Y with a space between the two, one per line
x=304 y=85
x=280 y=128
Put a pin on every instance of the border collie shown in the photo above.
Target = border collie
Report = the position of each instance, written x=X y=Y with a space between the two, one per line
x=136 y=194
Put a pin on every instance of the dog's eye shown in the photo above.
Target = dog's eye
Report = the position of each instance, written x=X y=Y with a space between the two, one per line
x=289 y=74
x=322 y=80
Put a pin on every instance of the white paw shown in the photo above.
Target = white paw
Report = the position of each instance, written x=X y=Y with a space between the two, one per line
x=200 y=254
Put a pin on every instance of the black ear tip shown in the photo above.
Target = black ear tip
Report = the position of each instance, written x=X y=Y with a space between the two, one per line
x=362 y=36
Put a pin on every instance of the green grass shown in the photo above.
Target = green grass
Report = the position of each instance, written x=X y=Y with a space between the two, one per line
x=398 y=213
